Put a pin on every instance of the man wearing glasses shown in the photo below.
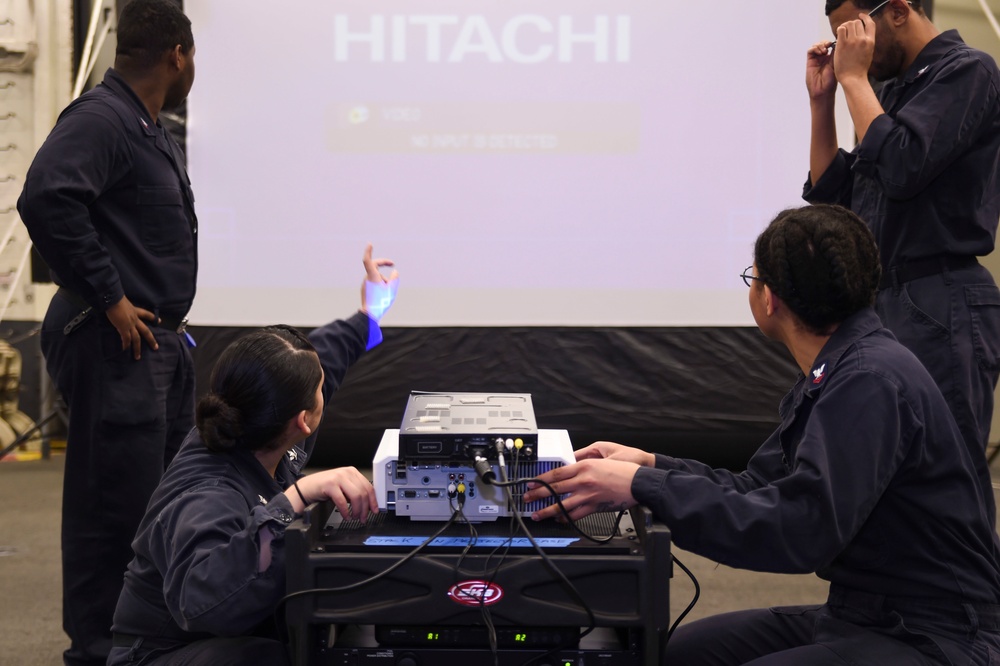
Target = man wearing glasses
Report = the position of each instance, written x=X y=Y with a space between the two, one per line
x=925 y=176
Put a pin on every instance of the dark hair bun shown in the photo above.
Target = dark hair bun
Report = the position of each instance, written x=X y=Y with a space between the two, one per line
x=259 y=383
x=219 y=423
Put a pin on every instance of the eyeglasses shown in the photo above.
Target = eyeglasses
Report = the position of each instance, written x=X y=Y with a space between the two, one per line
x=747 y=276
x=879 y=7
x=875 y=10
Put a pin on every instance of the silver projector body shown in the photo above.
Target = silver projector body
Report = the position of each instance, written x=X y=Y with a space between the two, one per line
x=428 y=489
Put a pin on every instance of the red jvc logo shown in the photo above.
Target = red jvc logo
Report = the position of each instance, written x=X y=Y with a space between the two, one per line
x=475 y=593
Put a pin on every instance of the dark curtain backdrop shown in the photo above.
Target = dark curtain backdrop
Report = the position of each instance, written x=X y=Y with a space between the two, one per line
x=705 y=393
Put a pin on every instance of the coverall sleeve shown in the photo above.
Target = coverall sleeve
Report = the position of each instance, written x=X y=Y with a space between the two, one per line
x=942 y=122
x=339 y=344
x=206 y=543
x=85 y=154
x=836 y=185
x=800 y=520
x=743 y=481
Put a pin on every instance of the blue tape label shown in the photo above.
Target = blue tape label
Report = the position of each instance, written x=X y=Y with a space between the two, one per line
x=461 y=542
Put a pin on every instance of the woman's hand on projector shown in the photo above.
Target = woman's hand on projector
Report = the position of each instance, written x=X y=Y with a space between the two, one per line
x=350 y=491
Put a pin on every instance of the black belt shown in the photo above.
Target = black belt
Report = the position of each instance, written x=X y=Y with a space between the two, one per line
x=175 y=323
x=984 y=615
x=919 y=268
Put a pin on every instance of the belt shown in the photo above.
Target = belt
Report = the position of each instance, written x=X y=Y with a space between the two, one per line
x=175 y=323
x=981 y=614
x=919 y=268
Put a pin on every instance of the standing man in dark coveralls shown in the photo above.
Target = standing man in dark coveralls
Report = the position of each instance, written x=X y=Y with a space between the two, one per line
x=108 y=204
x=925 y=176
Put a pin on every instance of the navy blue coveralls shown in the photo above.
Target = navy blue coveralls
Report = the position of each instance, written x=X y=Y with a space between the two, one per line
x=926 y=179
x=108 y=204
x=866 y=482
x=196 y=578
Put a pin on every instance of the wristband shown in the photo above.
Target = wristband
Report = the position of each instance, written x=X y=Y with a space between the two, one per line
x=301 y=496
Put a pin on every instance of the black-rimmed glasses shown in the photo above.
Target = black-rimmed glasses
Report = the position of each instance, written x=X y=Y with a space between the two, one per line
x=748 y=276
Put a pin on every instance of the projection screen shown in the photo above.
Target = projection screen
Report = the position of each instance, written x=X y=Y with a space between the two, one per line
x=526 y=163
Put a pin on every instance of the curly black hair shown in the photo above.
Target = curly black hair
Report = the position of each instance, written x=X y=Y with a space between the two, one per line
x=821 y=261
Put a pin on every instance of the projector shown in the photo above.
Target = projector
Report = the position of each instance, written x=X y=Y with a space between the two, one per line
x=458 y=427
x=427 y=488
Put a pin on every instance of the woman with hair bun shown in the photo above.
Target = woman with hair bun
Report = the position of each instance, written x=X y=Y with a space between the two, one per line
x=209 y=567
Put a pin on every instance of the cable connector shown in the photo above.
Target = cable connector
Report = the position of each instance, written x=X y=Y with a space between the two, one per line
x=484 y=470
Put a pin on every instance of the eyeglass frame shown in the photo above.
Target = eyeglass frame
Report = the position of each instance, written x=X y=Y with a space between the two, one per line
x=879 y=7
x=747 y=276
